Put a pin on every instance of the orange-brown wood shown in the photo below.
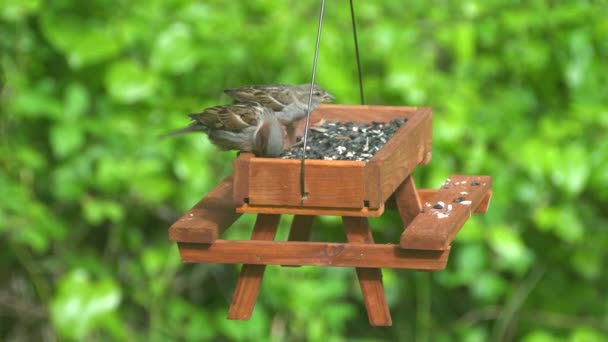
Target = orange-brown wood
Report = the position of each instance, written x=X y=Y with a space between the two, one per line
x=304 y=253
x=354 y=190
x=300 y=230
x=276 y=182
x=370 y=279
x=434 y=229
x=250 y=279
x=407 y=201
x=396 y=160
x=356 y=113
x=241 y=177
x=211 y=216
x=328 y=183
x=317 y=211
x=426 y=195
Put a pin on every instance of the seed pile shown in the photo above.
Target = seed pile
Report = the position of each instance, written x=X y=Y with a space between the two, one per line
x=345 y=141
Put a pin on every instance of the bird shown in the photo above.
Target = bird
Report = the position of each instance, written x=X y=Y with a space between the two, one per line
x=246 y=126
x=289 y=102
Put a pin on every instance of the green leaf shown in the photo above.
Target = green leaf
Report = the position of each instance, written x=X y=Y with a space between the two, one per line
x=76 y=101
x=97 y=210
x=540 y=336
x=572 y=172
x=82 y=306
x=65 y=139
x=507 y=243
x=82 y=40
x=128 y=82
x=175 y=51
x=564 y=221
x=13 y=10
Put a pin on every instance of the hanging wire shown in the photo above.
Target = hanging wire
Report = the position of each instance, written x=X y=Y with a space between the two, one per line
x=303 y=192
x=352 y=17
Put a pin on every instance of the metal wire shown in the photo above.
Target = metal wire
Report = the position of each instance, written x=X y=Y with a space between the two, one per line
x=352 y=17
x=303 y=192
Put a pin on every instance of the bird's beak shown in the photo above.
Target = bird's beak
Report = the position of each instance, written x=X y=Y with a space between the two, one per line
x=327 y=98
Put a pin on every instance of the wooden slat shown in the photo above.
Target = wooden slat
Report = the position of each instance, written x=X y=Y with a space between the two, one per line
x=370 y=279
x=434 y=229
x=317 y=211
x=211 y=216
x=313 y=254
x=328 y=183
x=399 y=156
x=407 y=201
x=357 y=113
x=250 y=279
x=426 y=195
x=241 y=177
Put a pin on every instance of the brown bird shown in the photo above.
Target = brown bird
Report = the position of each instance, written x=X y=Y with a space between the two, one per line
x=244 y=126
x=289 y=102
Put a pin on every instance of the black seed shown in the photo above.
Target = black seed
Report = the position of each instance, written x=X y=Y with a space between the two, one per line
x=360 y=140
x=474 y=183
x=459 y=199
x=438 y=206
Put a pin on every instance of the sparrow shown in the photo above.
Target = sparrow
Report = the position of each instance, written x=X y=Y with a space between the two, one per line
x=289 y=102
x=247 y=126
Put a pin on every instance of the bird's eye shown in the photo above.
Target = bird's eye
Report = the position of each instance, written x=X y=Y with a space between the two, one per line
x=318 y=93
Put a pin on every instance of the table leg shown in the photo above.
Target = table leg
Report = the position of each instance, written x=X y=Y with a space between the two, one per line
x=250 y=279
x=370 y=279
x=301 y=228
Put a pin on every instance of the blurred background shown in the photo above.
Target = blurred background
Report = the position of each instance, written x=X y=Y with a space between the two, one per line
x=87 y=192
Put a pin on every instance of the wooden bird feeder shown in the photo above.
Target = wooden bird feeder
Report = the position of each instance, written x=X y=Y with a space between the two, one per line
x=354 y=190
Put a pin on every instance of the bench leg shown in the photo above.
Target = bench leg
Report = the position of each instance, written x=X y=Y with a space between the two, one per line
x=370 y=279
x=248 y=285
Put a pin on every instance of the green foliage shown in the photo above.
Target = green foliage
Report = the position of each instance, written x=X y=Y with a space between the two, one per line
x=88 y=192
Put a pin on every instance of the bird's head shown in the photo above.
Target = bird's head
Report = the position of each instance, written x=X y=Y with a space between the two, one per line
x=319 y=95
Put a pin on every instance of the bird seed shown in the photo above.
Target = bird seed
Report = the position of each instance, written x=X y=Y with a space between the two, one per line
x=345 y=140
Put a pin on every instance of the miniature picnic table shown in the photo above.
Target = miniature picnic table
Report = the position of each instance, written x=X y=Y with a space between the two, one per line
x=355 y=190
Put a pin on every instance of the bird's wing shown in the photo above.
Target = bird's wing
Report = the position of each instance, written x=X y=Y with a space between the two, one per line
x=234 y=117
x=274 y=96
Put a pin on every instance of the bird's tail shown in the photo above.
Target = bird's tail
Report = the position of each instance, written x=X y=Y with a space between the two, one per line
x=193 y=127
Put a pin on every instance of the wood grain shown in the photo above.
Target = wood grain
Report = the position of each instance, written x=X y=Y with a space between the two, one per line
x=399 y=157
x=370 y=279
x=250 y=279
x=357 y=113
x=434 y=229
x=328 y=183
x=407 y=201
x=241 y=178
x=300 y=230
x=317 y=211
x=209 y=218
x=426 y=195
x=313 y=254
